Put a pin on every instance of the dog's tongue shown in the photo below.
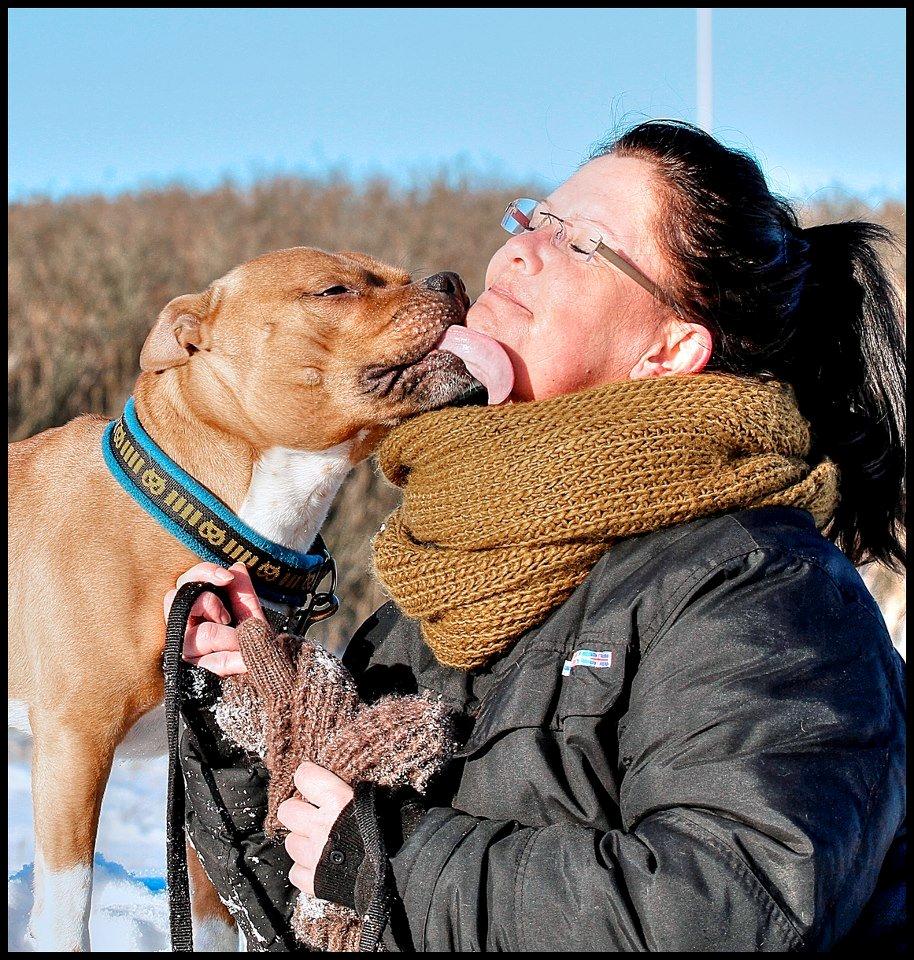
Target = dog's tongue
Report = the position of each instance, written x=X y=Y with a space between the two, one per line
x=484 y=357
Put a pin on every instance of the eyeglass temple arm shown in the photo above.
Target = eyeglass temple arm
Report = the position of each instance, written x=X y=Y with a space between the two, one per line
x=630 y=271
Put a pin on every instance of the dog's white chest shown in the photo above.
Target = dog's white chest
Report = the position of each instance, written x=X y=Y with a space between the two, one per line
x=291 y=492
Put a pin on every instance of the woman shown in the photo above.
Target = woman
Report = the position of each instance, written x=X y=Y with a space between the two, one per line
x=683 y=713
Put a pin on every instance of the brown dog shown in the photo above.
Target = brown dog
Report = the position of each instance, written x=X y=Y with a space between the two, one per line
x=266 y=388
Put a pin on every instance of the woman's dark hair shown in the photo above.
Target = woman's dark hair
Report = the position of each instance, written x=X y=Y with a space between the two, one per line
x=814 y=307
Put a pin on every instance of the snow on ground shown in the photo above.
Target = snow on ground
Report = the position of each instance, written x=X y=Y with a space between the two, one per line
x=129 y=913
x=129 y=904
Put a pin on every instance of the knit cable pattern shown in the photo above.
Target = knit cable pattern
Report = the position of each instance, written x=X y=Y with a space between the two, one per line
x=506 y=509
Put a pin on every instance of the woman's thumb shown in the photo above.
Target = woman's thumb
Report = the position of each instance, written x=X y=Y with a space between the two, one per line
x=242 y=594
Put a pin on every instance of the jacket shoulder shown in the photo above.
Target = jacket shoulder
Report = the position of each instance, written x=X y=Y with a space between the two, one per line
x=773 y=667
x=648 y=580
x=773 y=531
x=387 y=655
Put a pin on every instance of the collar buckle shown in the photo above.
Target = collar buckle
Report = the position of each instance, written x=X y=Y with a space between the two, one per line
x=320 y=605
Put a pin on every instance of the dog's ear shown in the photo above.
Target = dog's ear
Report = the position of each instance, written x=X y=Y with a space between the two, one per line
x=178 y=331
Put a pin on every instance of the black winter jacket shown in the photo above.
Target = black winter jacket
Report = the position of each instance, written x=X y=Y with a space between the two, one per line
x=728 y=774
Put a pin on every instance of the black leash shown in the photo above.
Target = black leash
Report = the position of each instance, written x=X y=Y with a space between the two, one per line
x=182 y=938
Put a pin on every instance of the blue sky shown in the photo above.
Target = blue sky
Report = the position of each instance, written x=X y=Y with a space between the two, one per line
x=115 y=99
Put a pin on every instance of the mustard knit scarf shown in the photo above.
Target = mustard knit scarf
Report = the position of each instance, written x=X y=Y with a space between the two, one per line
x=506 y=509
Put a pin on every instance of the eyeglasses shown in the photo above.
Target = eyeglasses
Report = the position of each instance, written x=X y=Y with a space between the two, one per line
x=580 y=241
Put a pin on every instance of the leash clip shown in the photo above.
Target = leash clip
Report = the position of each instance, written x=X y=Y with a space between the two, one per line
x=319 y=606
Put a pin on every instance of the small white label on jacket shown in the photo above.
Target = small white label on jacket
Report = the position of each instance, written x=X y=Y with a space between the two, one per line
x=588 y=658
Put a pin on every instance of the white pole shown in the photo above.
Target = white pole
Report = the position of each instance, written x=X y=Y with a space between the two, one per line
x=704 y=68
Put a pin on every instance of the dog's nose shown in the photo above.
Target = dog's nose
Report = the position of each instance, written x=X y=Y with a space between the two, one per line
x=449 y=283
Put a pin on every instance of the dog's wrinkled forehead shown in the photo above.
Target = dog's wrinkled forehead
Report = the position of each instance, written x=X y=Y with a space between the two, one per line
x=301 y=270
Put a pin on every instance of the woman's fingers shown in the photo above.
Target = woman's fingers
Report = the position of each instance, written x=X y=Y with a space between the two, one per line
x=206 y=607
x=209 y=641
x=209 y=607
x=242 y=594
x=209 y=638
x=305 y=850
x=302 y=817
x=223 y=664
x=319 y=786
x=303 y=878
x=206 y=573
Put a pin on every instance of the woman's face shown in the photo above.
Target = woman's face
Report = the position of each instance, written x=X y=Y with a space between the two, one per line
x=568 y=324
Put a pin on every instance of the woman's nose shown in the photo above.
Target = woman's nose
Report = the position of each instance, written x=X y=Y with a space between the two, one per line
x=526 y=250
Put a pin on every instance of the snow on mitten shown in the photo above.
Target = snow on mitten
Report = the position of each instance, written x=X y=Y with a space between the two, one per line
x=396 y=742
x=326 y=927
x=323 y=697
x=240 y=711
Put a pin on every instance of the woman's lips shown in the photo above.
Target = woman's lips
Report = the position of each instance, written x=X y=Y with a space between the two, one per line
x=498 y=291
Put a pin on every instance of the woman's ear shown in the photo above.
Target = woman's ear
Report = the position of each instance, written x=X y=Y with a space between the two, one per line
x=682 y=348
x=179 y=330
x=693 y=348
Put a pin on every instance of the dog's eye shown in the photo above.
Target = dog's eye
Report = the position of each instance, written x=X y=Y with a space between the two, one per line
x=334 y=291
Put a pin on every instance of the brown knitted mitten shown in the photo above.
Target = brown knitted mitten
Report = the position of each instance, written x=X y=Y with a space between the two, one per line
x=310 y=710
x=323 y=696
x=325 y=926
x=396 y=742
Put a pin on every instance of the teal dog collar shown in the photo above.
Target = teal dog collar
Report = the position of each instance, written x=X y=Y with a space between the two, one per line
x=203 y=523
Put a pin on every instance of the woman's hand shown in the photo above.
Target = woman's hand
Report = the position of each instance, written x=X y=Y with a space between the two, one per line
x=311 y=819
x=210 y=640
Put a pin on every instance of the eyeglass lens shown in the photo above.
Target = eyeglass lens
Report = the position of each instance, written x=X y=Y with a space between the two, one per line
x=517 y=216
x=526 y=214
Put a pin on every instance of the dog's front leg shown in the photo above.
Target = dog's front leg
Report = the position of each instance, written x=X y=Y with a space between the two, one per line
x=70 y=769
